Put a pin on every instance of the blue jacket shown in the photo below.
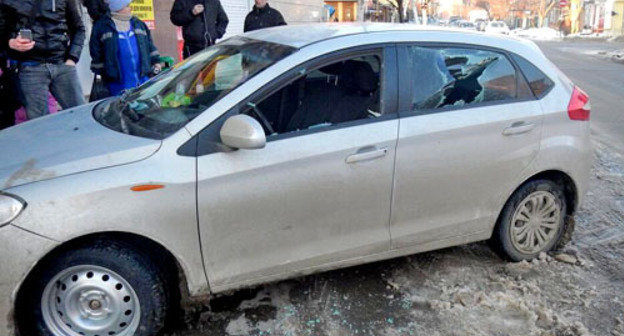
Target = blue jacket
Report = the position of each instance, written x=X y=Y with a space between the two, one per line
x=104 y=46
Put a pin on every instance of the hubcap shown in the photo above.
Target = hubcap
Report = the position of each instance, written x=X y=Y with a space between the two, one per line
x=90 y=301
x=535 y=223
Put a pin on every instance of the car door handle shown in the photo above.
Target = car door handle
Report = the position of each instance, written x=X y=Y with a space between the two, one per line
x=367 y=154
x=518 y=128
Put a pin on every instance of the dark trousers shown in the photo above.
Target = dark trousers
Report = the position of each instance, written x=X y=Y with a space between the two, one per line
x=190 y=50
x=59 y=79
x=10 y=98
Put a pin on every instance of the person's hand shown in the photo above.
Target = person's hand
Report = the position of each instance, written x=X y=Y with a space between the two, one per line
x=21 y=45
x=70 y=62
x=198 y=9
x=156 y=69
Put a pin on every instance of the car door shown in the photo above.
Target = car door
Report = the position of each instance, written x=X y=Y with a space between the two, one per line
x=312 y=197
x=469 y=126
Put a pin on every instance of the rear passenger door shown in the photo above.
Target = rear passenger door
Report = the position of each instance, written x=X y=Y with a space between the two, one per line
x=469 y=125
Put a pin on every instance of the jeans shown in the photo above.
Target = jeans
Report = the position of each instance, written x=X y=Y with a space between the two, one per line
x=59 y=79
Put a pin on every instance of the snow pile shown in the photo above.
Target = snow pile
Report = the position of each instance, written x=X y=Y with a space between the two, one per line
x=618 y=56
x=541 y=34
x=509 y=301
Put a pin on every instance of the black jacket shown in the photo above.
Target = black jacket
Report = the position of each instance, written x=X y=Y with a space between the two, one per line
x=56 y=27
x=264 y=17
x=200 y=31
x=97 y=9
x=104 y=43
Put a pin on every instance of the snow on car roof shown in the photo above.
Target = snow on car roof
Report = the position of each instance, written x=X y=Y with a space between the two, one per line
x=299 y=36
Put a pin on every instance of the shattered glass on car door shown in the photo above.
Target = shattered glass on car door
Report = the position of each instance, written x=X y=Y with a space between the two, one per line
x=455 y=77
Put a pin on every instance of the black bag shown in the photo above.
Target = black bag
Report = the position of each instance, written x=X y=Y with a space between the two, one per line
x=99 y=90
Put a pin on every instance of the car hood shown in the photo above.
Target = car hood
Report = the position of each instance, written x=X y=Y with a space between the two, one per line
x=65 y=143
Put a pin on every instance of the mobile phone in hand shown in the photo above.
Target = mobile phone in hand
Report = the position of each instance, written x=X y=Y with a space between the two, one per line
x=25 y=34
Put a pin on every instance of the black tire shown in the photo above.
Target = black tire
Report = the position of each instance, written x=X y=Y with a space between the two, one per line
x=501 y=239
x=137 y=269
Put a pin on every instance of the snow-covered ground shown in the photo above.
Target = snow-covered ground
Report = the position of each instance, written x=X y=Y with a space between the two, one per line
x=540 y=34
x=614 y=55
x=467 y=290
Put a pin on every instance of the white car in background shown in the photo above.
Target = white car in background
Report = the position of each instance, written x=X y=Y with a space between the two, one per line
x=497 y=27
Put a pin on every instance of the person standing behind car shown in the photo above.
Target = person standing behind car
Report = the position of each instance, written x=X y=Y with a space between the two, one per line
x=8 y=92
x=263 y=16
x=122 y=49
x=96 y=9
x=203 y=22
x=45 y=39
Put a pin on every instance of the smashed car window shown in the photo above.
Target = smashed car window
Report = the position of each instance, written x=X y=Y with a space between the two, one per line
x=455 y=77
x=168 y=102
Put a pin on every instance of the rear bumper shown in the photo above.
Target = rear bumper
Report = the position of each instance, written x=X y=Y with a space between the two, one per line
x=19 y=252
x=584 y=174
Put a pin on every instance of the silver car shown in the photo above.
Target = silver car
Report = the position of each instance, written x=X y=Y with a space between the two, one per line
x=280 y=153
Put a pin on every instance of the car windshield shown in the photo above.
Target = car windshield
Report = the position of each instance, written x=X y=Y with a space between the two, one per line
x=166 y=103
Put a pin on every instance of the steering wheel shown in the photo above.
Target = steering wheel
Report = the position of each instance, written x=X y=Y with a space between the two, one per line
x=263 y=118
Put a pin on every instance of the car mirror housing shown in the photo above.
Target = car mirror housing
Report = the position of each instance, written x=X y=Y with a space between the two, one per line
x=243 y=132
x=10 y=208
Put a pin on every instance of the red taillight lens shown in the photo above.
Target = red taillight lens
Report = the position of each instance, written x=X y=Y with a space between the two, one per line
x=579 y=107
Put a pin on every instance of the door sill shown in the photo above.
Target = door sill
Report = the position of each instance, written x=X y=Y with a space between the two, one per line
x=390 y=254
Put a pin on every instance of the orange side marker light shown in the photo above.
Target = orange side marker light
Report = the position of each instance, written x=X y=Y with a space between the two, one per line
x=147 y=187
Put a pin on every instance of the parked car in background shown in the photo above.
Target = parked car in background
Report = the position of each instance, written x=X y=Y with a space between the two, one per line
x=283 y=152
x=454 y=19
x=497 y=27
x=433 y=21
x=467 y=25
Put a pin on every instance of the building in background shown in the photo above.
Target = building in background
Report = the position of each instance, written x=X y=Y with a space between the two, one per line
x=344 y=10
x=594 y=17
x=614 y=17
x=495 y=9
x=376 y=11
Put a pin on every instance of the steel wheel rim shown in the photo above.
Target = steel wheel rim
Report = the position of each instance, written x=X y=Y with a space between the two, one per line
x=535 y=222
x=90 y=300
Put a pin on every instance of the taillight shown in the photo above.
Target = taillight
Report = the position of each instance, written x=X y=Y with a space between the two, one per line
x=579 y=107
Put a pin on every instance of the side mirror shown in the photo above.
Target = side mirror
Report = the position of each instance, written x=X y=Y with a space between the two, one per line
x=244 y=132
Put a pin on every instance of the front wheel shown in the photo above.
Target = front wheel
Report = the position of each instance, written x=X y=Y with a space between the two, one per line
x=102 y=290
x=532 y=221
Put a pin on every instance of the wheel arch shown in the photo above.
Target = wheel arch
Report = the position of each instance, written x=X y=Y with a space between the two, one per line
x=562 y=178
x=570 y=192
x=163 y=258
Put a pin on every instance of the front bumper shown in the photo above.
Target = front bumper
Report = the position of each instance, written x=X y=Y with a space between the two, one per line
x=19 y=252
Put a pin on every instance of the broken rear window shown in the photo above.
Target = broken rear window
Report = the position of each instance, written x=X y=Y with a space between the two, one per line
x=458 y=77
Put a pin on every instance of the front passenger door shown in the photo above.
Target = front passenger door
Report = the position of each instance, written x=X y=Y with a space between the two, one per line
x=319 y=193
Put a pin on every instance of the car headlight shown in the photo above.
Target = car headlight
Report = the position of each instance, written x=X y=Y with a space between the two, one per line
x=10 y=208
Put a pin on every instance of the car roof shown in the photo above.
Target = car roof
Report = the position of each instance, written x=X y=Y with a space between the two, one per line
x=299 y=36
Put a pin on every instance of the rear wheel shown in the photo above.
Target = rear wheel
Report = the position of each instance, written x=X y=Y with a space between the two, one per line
x=532 y=221
x=103 y=290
